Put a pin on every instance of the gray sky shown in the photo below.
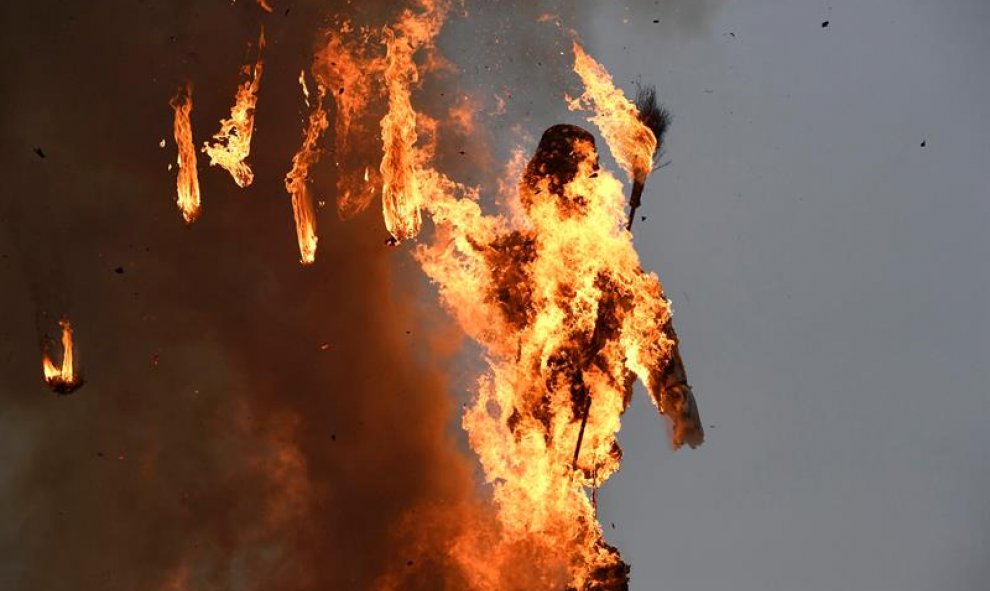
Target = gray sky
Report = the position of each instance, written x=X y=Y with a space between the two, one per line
x=830 y=285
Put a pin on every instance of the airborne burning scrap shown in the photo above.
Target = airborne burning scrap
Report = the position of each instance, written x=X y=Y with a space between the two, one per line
x=64 y=379
x=555 y=293
x=187 y=179
x=232 y=144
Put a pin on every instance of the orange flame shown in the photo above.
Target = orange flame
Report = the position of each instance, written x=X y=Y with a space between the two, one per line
x=402 y=193
x=348 y=70
x=265 y=5
x=296 y=179
x=232 y=144
x=187 y=180
x=631 y=142
x=62 y=379
x=553 y=291
x=568 y=319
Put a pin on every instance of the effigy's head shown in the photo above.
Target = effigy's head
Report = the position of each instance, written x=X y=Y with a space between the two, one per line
x=565 y=151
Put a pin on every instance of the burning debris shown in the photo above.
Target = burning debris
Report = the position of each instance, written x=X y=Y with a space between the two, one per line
x=296 y=179
x=403 y=193
x=65 y=379
x=187 y=181
x=232 y=144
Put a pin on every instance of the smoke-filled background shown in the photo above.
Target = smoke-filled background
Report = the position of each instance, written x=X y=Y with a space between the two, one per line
x=249 y=423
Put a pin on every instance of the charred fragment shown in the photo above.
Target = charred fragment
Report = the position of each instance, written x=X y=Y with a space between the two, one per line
x=64 y=387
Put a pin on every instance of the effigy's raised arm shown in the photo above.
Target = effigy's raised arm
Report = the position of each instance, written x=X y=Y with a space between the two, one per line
x=654 y=355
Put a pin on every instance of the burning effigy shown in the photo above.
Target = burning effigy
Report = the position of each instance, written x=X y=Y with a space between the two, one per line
x=552 y=291
x=569 y=320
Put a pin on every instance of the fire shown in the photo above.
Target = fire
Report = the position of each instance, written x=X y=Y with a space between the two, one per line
x=568 y=320
x=62 y=379
x=295 y=180
x=347 y=67
x=187 y=180
x=305 y=89
x=552 y=290
x=403 y=195
x=556 y=295
x=232 y=144
x=631 y=142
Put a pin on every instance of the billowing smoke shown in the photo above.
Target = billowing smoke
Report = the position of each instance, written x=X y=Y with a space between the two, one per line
x=246 y=423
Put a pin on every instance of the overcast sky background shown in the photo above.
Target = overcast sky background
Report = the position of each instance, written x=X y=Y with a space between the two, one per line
x=830 y=283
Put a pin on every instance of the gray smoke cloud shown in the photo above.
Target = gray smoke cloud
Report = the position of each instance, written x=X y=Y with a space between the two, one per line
x=247 y=423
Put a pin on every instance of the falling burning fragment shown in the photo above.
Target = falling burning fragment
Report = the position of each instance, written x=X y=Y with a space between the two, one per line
x=348 y=67
x=295 y=182
x=232 y=144
x=403 y=193
x=187 y=180
x=64 y=379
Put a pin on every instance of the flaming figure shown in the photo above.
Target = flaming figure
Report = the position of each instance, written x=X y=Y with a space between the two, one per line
x=187 y=180
x=65 y=379
x=568 y=319
x=559 y=301
x=232 y=144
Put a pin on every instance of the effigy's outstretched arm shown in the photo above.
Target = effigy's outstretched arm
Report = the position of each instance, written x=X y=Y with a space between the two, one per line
x=654 y=355
x=673 y=395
